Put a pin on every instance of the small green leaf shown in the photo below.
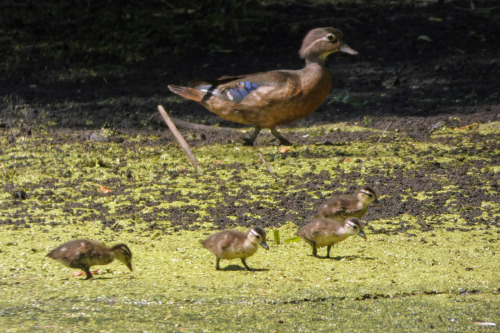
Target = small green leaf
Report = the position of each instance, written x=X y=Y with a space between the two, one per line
x=293 y=239
x=276 y=233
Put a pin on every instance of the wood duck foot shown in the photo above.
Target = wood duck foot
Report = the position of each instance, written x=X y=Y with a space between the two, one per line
x=278 y=136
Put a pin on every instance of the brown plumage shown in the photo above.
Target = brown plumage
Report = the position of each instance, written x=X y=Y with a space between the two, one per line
x=233 y=244
x=342 y=207
x=269 y=99
x=322 y=232
x=83 y=254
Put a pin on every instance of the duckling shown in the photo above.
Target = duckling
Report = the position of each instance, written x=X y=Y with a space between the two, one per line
x=268 y=99
x=327 y=232
x=83 y=254
x=349 y=206
x=232 y=244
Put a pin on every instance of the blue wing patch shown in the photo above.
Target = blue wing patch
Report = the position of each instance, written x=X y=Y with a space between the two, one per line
x=241 y=90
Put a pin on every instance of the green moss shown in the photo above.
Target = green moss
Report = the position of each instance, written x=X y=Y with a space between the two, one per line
x=443 y=279
x=382 y=283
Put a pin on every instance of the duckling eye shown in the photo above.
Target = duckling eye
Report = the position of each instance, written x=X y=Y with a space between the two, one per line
x=257 y=236
x=331 y=38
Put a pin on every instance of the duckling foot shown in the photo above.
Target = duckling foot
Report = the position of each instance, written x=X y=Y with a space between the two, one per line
x=245 y=264
x=278 y=136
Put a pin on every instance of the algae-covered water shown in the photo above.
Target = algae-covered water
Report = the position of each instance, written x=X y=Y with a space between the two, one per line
x=430 y=261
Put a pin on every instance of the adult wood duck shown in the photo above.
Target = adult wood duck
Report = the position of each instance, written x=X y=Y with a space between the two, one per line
x=83 y=254
x=322 y=232
x=272 y=98
x=233 y=244
x=349 y=206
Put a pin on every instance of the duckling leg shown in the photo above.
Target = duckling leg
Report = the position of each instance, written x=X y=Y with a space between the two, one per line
x=87 y=271
x=277 y=134
x=245 y=264
x=217 y=263
x=328 y=251
x=251 y=139
x=315 y=250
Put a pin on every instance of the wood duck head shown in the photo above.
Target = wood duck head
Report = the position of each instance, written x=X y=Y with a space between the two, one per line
x=321 y=42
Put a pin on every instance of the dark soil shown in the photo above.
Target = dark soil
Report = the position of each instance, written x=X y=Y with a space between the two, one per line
x=421 y=66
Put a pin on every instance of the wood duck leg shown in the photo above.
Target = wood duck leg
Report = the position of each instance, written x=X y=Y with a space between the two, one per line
x=283 y=141
x=249 y=141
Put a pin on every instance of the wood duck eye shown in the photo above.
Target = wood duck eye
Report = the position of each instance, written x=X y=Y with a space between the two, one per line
x=257 y=236
x=331 y=38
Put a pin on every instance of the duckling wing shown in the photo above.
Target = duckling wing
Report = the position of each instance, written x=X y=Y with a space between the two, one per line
x=318 y=227
x=72 y=252
x=334 y=207
x=259 y=88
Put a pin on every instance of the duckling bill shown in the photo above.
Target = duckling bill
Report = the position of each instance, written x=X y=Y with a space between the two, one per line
x=327 y=232
x=233 y=244
x=83 y=254
x=269 y=99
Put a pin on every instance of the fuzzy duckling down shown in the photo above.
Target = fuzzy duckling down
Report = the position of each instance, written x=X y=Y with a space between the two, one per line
x=342 y=207
x=322 y=232
x=233 y=244
x=84 y=253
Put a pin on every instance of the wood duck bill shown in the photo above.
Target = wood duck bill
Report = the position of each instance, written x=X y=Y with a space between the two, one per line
x=264 y=245
x=344 y=48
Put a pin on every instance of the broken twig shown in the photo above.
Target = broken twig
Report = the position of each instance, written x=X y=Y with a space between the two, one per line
x=268 y=167
x=156 y=118
x=372 y=148
x=184 y=145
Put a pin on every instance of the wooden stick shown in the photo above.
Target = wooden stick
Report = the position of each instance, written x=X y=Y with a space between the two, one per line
x=155 y=117
x=184 y=145
x=267 y=165
x=368 y=156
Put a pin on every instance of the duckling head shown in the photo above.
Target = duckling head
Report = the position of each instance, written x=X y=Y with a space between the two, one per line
x=123 y=253
x=367 y=195
x=257 y=235
x=321 y=42
x=354 y=226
